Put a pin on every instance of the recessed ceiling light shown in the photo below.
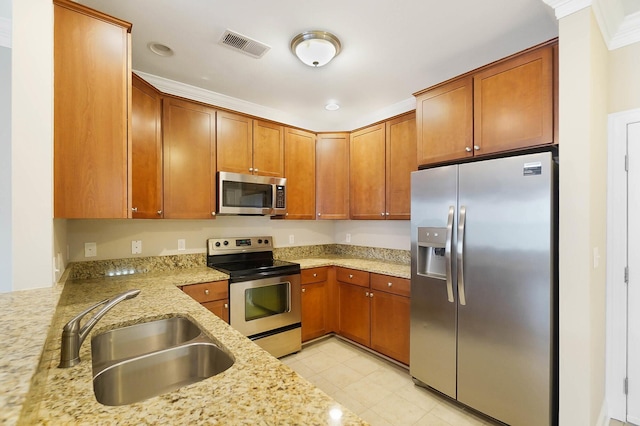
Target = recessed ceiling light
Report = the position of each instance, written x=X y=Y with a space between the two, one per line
x=331 y=106
x=160 y=49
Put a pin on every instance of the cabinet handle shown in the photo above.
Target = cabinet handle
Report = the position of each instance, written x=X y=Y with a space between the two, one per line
x=206 y=292
x=386 y=214
x=256 y=170
x=468 y=149
x=315 y=275
x=389 y=284
x=226 y=306
x=286 y=214
x=213 y=213
x=350 y=275
x=319 y=214
x=476 y=147
x=159 y=212
x=250 y=169
x=134 y=209
x=371 y=294
x=382 y=214
x=304 y=289
x=366 y=294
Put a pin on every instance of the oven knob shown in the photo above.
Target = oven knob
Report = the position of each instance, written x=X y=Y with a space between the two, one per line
x=266 y=241
x=217 y=243
x=260 y=241
x=226 y=243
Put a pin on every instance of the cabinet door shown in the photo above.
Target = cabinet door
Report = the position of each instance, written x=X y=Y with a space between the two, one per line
x=300 y=171
x=234 y=143
x=513 y=103
x=91 y=107
x=332 y=176
x=367 y=173
x=146 y=150
x=444 y=120
x=401 y=161
x=219 y=308
x=390 y=322
x=314 y=310
x=189 y=160
x=268 y=149
x=354 y=311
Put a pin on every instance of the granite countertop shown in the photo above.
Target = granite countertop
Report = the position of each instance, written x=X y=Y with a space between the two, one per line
x=257 y=389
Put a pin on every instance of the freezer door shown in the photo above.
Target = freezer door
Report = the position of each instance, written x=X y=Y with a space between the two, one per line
x=506 y=326
x=433 y=308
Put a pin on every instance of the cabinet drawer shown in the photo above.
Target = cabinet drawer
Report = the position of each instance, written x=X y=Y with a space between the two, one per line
x=389 y=284
x=353 y=276
x=313 y=275
x=207 y=292
x=219 y=307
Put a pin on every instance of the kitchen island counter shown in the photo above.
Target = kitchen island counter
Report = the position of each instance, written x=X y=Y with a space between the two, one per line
x=257 y=389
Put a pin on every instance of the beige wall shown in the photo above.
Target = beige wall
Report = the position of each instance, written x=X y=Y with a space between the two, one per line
x=582 y=231
x=624 y=80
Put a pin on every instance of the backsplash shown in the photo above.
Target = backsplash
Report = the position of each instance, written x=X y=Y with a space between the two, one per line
x=136 y=265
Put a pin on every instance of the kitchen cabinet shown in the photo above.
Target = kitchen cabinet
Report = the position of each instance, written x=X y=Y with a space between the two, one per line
x=91 y=107
x=249 y=146
x=300 y=171
x=444 y=121
x=513 y=103
x=374 y=310
x=390 y=316
x=146 y=150
x=332 y=176
x=507 y=105
x=382 y=158
x=189 y=159
x=212 y=295
x=315 y=302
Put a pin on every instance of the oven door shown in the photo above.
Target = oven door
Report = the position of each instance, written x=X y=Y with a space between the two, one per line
x=265 y=304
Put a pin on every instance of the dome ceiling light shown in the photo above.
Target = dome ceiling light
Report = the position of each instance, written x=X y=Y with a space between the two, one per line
x=315 y=48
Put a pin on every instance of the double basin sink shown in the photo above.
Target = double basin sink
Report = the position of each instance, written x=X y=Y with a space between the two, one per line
x=137 y=362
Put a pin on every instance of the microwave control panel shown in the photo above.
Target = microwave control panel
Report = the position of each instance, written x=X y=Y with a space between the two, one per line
x=280 y=197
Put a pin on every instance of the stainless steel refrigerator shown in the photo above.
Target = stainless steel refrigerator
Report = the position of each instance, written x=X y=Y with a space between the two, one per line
x=484 y=285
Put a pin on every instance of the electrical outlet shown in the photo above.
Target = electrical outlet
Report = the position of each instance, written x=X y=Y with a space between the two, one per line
x=136 y=247
x=90 y=250
x=348 y=238
x=182 y=245
x=291 y=239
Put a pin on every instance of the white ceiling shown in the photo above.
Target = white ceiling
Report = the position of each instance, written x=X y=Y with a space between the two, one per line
x=390 y=49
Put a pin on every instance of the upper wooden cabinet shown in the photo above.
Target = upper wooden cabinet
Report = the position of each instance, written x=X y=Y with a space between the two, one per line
x=300 y=171
x=444 y=120
x=382 y=158
x=332 y=176
x=92 y=71
x=513 y=103
x=146 y=150
x=249 y=146
x=189 y=160
x=505 y=106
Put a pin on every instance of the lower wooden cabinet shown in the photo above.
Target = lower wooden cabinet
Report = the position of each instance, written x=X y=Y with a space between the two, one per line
x=354 y=305
x=213 y=295
x=315 y=303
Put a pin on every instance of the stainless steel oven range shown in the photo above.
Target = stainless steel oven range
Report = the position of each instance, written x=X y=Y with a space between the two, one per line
x=264 y=293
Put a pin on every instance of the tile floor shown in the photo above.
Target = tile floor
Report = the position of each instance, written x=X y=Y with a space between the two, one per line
x=379 y=391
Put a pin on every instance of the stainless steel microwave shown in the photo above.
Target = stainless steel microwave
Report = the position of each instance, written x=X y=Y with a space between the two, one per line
x=241 y=194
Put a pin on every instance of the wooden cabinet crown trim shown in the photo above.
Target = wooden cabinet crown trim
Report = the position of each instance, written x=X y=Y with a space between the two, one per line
x=77 y=7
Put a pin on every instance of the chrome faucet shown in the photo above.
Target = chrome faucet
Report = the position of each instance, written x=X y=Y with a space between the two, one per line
x=73 y=335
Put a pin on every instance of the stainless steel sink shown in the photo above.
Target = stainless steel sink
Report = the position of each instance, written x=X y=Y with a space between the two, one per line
x=140 y=339
x=143 y=377
x=137 y=362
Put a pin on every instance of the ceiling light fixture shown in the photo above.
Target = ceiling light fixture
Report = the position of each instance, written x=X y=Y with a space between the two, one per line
x=332 y=106
x=315 y=48
x=160 y=49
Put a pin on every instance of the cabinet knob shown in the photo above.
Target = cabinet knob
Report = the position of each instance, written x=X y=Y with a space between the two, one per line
x=159 y=212
x=476 y=147
x=315 y=275
x=389 y=284
x=206 y=292
x=226 y=306
x=213 y=213
x=319 y=214
x=286 y=214
x=250 y=169
x=387 y=214
x=350 y=275
x=366 y=294
x=256 y=170
x=468 y=149
x=304 y=289
x=371 y=294
x=382 y=214
x=134 y=209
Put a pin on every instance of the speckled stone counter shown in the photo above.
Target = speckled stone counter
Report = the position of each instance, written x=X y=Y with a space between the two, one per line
x=387 y=268
x=258 y=389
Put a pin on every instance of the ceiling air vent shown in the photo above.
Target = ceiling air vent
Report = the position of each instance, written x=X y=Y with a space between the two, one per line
x=243 y=44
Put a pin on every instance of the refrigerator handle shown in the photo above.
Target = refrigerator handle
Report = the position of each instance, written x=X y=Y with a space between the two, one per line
x=447 y=254
x=460 y=255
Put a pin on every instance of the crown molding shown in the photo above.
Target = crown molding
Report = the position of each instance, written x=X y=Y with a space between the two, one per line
x=617 y=29
x=5 y=32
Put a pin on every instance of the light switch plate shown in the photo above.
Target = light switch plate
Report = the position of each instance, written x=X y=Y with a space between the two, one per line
x=136 y=247
x=90 y=250
x=291 y=239
x=181 y=244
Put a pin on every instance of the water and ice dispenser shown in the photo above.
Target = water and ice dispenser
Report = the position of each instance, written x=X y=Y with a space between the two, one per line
x=431 y=252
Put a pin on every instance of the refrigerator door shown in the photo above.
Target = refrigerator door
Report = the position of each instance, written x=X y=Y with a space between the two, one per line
x=433 y=306
x=505 y=329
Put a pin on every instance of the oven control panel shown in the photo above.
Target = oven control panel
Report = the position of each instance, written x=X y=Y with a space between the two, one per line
x=238 y=245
